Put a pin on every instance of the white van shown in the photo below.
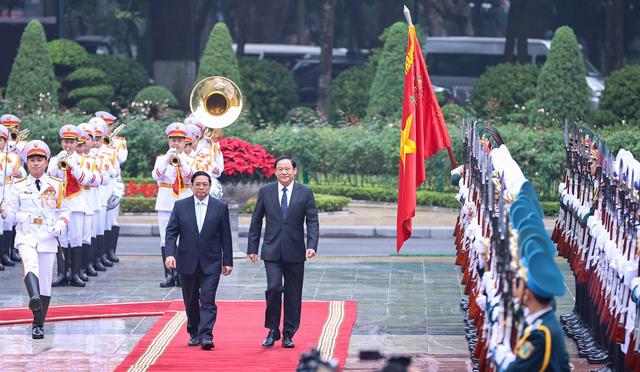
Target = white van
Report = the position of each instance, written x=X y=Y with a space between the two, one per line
x=456 y=62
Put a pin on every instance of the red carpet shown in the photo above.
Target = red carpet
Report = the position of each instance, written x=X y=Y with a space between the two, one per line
x=17 y=315
x=238 y=332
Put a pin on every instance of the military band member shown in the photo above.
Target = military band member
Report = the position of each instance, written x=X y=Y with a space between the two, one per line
x=39 y=207
x=88 y=162
x=11 y=169
x=119 y=145
x=541 y=347
x=15 y=144
x=67 y=166
x=172 y=171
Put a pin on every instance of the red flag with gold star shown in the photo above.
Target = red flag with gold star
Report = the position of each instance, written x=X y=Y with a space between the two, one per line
x=424 y=132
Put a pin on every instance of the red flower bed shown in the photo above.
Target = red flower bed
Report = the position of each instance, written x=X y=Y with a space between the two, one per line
x=244 y=161
x=145 y=189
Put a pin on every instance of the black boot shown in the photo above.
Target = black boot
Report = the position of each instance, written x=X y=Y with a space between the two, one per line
x=5 y=241
x=82 y=272
x=37 y=327
x=95 y=252
x=111 y=244
x=33 y=289
x=169 y=278
x=61 y=280
x=102 y=244
x=87 y=260
x=14 y=254
x=76 y=264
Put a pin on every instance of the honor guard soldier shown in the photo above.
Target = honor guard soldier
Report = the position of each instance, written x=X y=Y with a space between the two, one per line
x=88 y=162
x=67 y=166
x=172 y=171
x=210 y=159
x=10 y=170
x=119 y=145
x=15 y=143
x=39 y=206
x=541 y=347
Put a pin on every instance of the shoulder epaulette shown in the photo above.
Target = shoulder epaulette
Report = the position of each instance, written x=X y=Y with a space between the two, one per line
x=20 y=180
x=56 y=179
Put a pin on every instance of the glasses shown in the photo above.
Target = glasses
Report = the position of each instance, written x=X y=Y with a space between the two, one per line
x=284 y=170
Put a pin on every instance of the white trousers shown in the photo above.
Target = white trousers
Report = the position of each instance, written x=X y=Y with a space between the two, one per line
x=110 y=216
x=95 y=224
x=87 y=229
x=101 y=221
x=115 y=216
x=7 y=223
x=163 y=221
x=39 y=263
x=72 y=235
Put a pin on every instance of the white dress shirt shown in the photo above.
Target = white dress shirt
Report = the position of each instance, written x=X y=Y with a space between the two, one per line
x=201 y=210
x=289 y=191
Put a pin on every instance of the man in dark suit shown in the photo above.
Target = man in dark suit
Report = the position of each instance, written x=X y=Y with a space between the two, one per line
x=202 y=224
x=286 y=205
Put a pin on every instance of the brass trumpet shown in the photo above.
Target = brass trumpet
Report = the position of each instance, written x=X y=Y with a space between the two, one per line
x=174 y=160
x=109 y=139
x=216 y=102
x=19 y=135
x=63 y=164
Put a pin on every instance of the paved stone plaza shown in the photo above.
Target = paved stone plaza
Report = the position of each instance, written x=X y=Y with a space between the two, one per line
x=406 y=305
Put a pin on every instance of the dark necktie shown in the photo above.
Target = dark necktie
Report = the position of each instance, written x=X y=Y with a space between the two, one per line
x=283 y=203
x=38 y=185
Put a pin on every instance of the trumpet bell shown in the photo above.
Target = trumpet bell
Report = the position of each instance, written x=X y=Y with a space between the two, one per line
x=63 y=165
x=174 y=160
x=216 y=102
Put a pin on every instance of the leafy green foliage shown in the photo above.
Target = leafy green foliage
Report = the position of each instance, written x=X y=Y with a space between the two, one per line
x=31 y=86
x=218 y=57
x=100 y=92
x=137 y=205
x=325 y=203
x=503 y=88
x=621 y=96
x=90 y=105
x=562 y=90
x=349 y=94
x=386 y=194
x=156 y=94
x=453 y=114
x=302 y=116
x=386 y=93
x=66 y=56
x=125 y=75
x=85 y=76
x=269 y=88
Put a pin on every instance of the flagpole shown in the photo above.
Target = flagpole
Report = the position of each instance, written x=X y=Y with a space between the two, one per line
x=407 y=15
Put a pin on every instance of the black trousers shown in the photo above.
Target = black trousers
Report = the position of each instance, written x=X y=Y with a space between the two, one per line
x=293 y=275
x=199 y=294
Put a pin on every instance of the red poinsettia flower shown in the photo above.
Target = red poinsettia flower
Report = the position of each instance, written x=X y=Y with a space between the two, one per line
x=244 y=161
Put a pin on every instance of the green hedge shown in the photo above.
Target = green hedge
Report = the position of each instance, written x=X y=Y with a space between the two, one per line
x=102 y=93
x=325 y=203
x=125 y=75
x=85 y=76
x=621 y=96
x=67 y=55
x=137 y=205
x=156 y=94
x=349 y=94
x=218 y=57
x=387 y=194
x=502 y=87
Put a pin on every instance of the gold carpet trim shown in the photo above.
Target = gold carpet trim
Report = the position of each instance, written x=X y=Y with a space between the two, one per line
x=160 y=343
x=331 y=328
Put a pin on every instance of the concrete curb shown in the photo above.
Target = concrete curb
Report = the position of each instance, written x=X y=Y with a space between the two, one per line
x=423 y=232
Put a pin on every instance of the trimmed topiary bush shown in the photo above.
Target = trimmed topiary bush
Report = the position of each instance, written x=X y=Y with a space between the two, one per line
x=303 y=116
x=156 y=94
x=562 y=91
x=85 y=76
x=66 y=56
x=31 y=86
x=90 y=105
x=349 y=94
x=502 y=87
x=386 y=93
x=621 y=96
x=125 y=75
x=218 y=57
x=102 y=93
x=453 y=114
x=269 y=89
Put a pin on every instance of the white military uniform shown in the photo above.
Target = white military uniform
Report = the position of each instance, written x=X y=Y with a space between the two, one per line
x=41 y=215
x=208 y=157
x=10 y=164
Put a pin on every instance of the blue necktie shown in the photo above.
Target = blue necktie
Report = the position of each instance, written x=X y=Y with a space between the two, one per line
x=200 y=219
x=283 y=203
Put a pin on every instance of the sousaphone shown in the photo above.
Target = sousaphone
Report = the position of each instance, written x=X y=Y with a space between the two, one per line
x=216 y=102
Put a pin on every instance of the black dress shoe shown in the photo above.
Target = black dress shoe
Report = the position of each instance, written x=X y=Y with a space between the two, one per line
x=206 y=344
x=37 y=332
x=193 y=341
x=600 y=358
x=168 y=282
x=272 y=337
x=287 y=342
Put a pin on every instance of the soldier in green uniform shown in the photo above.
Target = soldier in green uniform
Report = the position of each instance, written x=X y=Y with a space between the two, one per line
x=541 y=346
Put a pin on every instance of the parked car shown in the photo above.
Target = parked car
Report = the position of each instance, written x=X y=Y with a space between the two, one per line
x=457 y=62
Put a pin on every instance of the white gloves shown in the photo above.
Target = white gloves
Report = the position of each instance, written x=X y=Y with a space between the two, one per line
x=59 y=227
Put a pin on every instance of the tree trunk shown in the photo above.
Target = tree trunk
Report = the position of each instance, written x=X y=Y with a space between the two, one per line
x=614 y=44
x=269 y=21
x=435 y=20
x=356 y=34
x=514 y=21
x=301 y=26
x=326 y=56
x=243 y=20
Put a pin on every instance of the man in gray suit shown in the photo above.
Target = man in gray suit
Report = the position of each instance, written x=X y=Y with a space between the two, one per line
x=287 y=205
